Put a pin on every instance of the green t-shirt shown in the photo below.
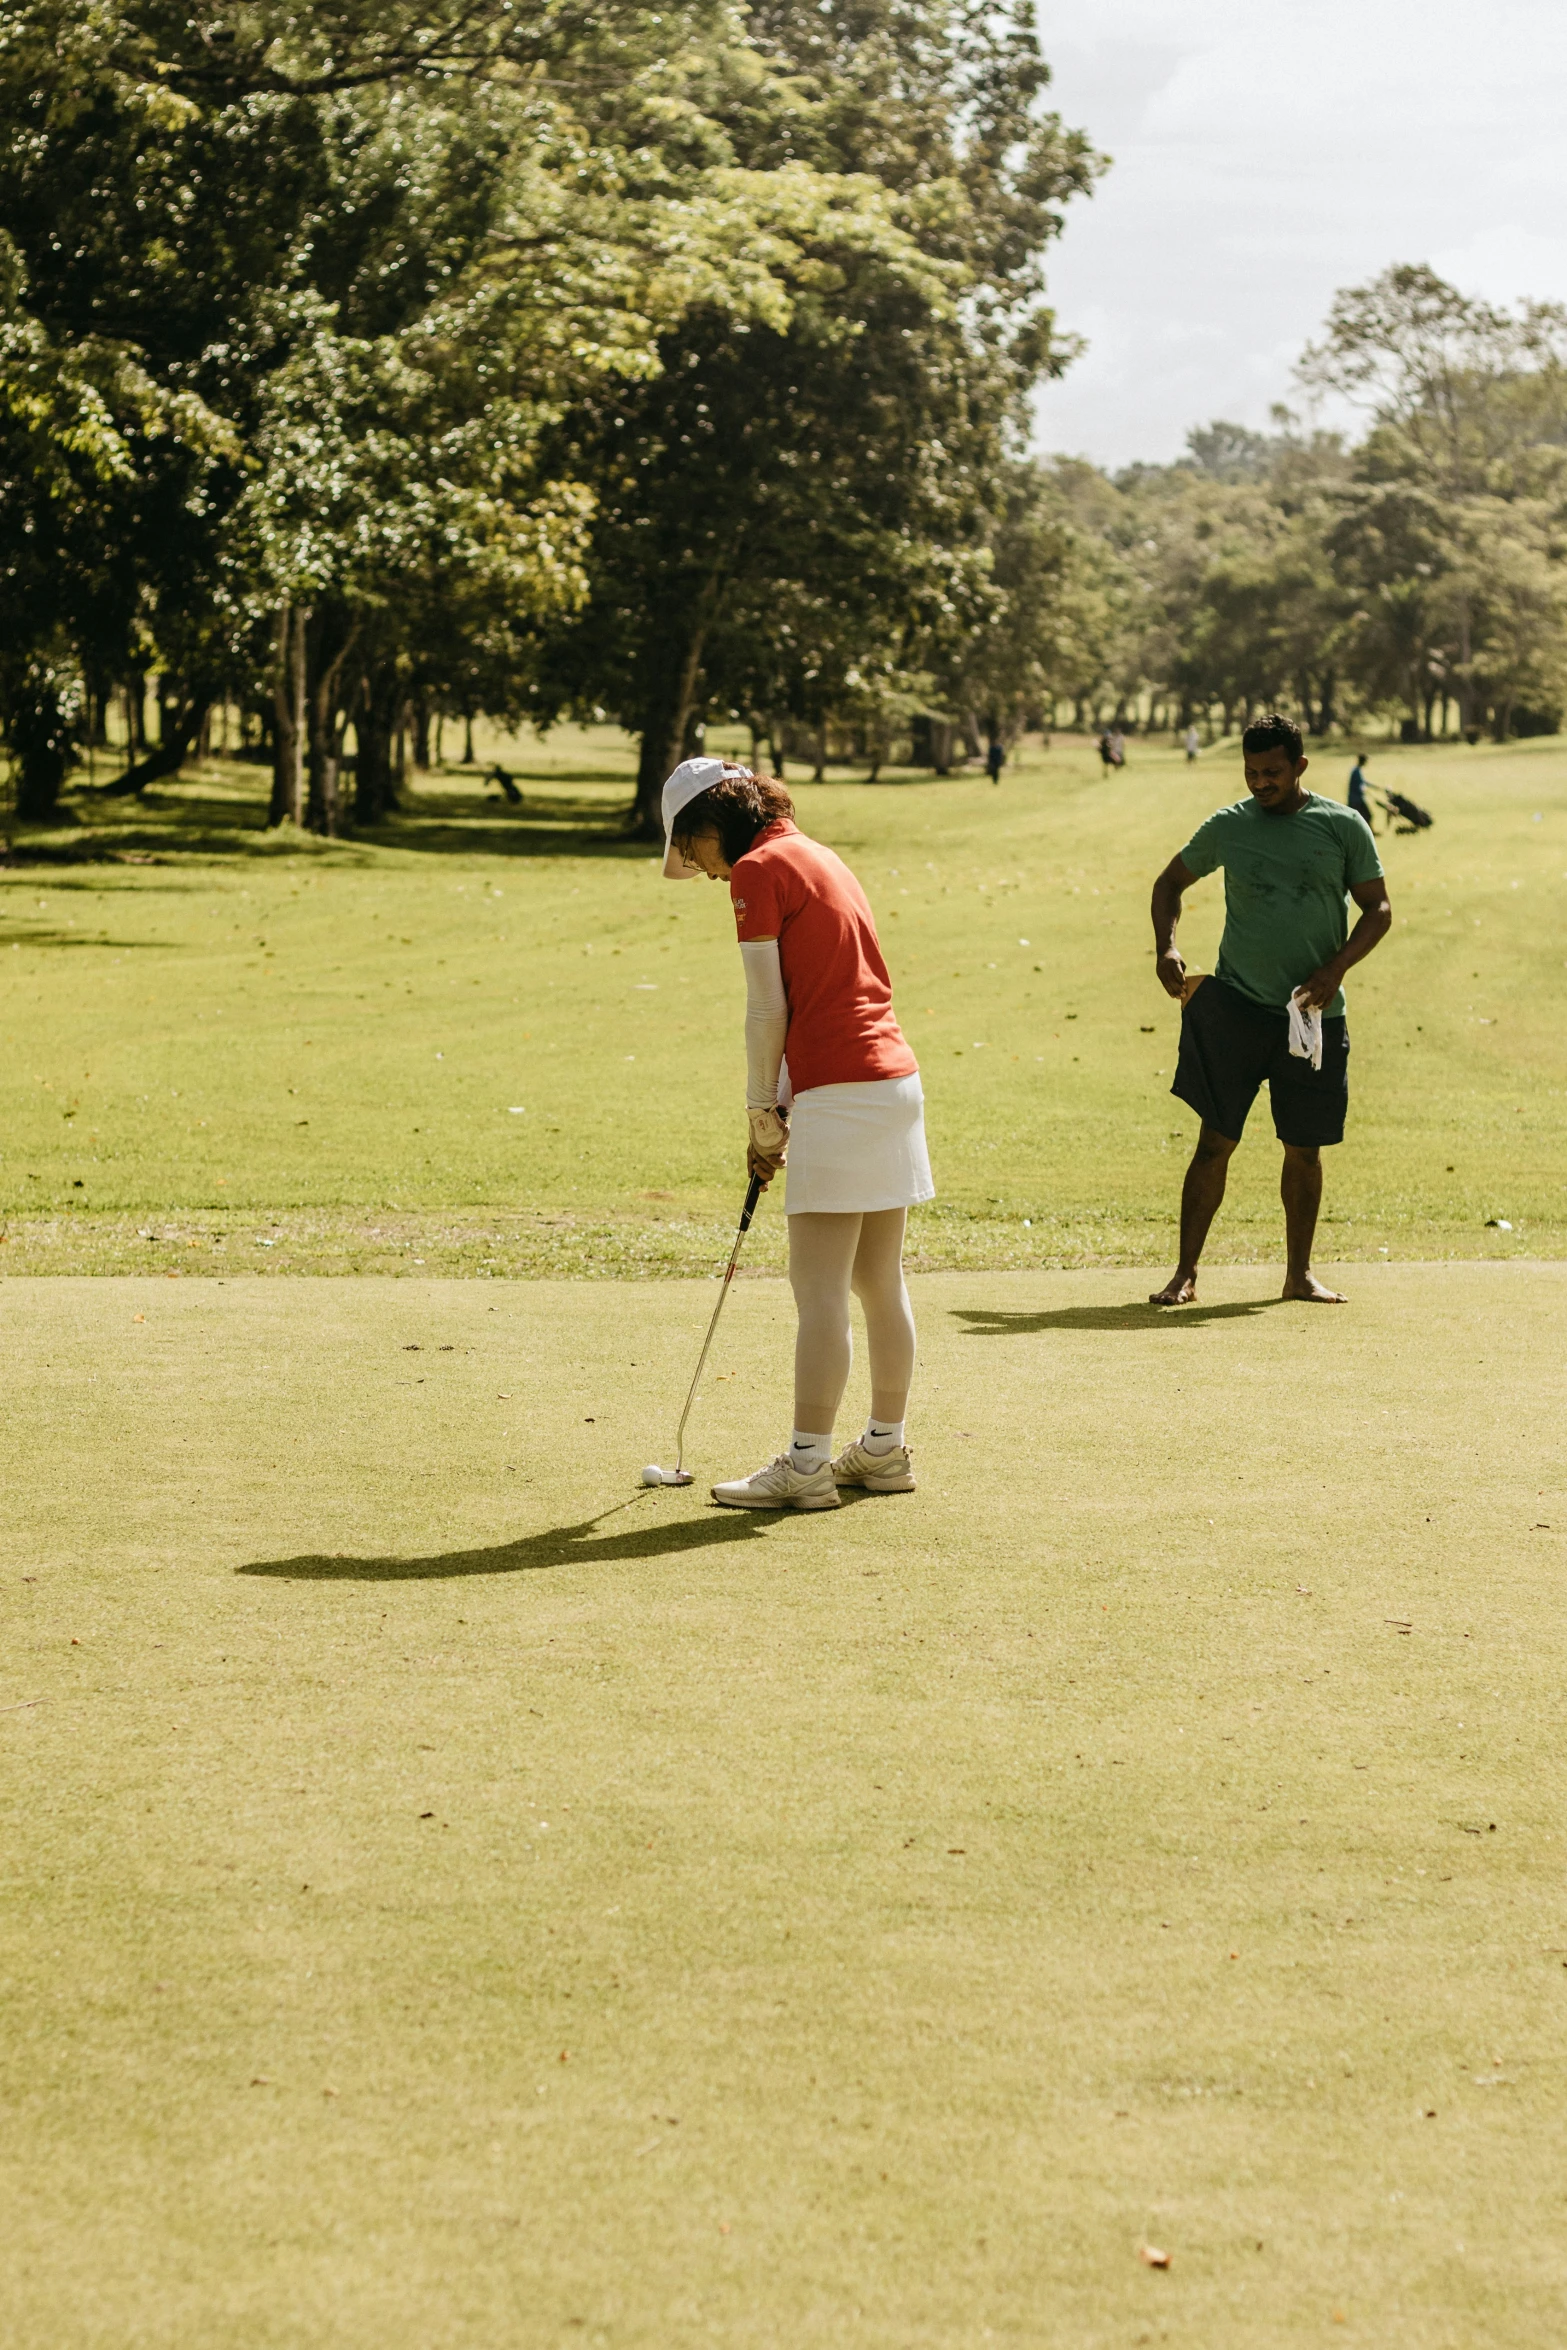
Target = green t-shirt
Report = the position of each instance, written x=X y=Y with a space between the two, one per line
x=1286 y=880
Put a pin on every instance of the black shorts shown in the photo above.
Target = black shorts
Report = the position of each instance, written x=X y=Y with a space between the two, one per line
x=1229 y=1045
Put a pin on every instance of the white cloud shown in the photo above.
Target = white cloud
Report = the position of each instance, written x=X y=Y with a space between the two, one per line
x=1269 y=153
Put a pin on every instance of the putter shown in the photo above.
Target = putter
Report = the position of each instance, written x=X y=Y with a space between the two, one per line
x=680 y=1474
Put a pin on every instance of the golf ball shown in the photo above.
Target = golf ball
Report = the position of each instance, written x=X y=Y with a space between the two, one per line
x=652 y=1474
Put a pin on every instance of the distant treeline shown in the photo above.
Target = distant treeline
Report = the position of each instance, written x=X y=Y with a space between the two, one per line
x=1417 y=572
x=368 y=366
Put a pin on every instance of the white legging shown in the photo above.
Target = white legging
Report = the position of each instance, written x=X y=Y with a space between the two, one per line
x=830 y=1256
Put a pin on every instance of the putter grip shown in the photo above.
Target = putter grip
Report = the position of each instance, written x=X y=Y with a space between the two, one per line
x=753 y=1194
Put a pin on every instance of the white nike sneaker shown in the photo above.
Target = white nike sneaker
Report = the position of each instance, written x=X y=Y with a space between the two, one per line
x=878 y=1472
x=781 y=1486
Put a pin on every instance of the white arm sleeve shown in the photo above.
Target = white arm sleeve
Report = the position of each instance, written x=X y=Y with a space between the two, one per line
x=766 y=1021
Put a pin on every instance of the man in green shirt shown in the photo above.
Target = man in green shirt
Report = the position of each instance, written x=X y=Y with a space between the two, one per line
x=1290 y=858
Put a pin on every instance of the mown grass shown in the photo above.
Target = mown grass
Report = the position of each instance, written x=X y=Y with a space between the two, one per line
x=453 y=1898
x=492 y=1040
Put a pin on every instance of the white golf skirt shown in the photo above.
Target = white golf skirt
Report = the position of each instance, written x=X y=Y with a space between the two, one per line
x=856 y=1149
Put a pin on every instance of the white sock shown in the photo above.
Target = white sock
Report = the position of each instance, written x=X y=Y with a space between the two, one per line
x=809 y=1453
x=883 y=1435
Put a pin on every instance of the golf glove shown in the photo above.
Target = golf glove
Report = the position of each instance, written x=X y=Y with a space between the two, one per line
x=768 y=1142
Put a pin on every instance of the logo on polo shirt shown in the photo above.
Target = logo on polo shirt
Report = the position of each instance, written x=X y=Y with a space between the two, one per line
x=739 y=906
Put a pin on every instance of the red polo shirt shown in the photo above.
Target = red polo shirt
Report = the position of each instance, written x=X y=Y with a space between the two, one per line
x=841 y=1025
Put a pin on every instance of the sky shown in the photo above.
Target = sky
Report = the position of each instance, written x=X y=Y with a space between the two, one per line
x=1268 y=152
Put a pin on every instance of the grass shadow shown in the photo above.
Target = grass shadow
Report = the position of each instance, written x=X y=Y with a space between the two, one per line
x=71 y=939
x=987 y=1323
x=560 y=1546
x=507 y=835
x=206 y=816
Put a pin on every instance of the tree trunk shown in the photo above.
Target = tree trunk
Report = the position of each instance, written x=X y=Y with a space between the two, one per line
x=97 y=710
x=41 y=736
x=329 y=641
x=288 y=722
x=663 y=740
x=181 y=718
x=467 y=738
x=375 y=791
x=421 y=715
x=1465 y=669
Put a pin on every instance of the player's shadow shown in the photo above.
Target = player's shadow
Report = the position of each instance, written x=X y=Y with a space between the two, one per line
x=581 y=1545
x=985 y=1322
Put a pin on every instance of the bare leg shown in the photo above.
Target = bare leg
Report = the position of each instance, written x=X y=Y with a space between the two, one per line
x=879 y=1285
x=821 y=1262
x=1300 y=1188
x=1201 y=1194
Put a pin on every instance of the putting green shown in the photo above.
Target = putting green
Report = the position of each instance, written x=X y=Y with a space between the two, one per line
x=455 y=1898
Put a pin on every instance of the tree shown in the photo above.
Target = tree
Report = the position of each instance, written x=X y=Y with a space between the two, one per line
x=798 y=502
x=350 y=261
x=1469 y=404
x=1508 y=581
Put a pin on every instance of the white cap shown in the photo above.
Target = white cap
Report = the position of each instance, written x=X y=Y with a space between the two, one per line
x=691 y=778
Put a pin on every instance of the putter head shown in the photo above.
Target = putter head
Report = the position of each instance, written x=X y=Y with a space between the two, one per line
x=678 y=1476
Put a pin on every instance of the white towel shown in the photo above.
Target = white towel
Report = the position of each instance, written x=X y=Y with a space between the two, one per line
x=1305 y=1029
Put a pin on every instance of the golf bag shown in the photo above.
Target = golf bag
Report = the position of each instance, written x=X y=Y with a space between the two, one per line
x=1411 y=817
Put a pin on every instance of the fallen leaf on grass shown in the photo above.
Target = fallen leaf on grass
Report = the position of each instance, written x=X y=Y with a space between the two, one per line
x=1152 y=2257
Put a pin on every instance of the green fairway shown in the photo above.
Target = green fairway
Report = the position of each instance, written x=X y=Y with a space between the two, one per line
x=455 y=1898
x=494 y=1041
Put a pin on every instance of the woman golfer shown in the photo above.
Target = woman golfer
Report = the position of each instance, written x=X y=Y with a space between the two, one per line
x=844 y=1107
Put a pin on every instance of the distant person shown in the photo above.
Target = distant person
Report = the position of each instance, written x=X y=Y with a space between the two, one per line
x=1358 y=788
x=995 y=759
x=1117 y=747
x=1106 y=753
x=1193 y=744
x=1289 y=857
